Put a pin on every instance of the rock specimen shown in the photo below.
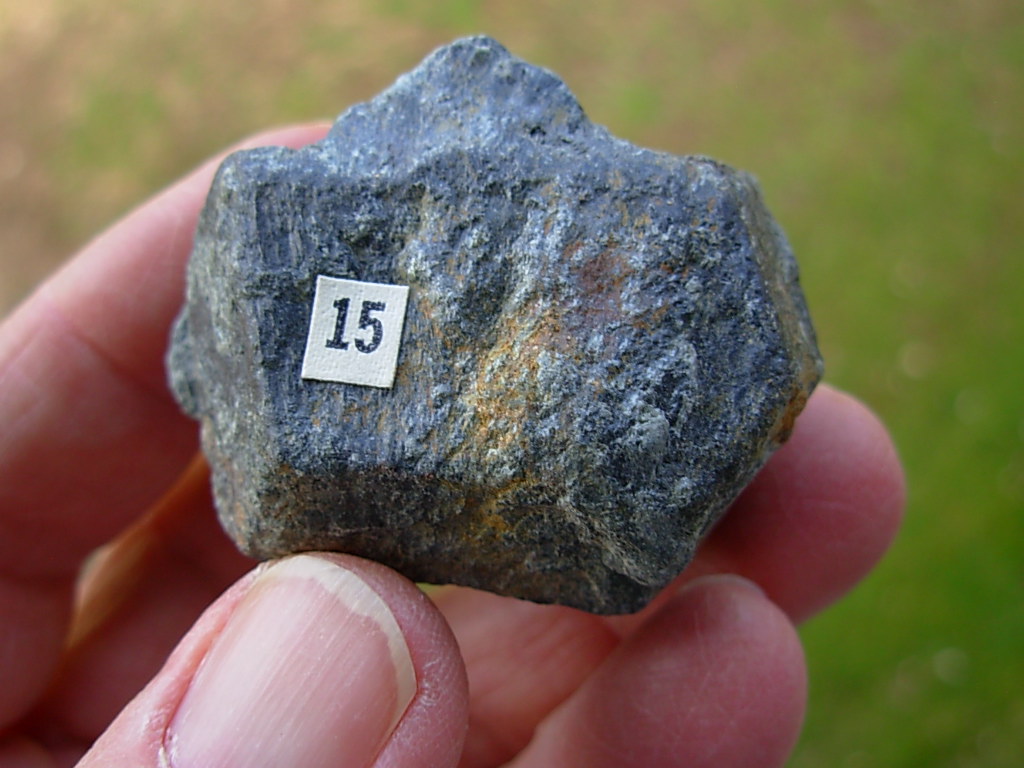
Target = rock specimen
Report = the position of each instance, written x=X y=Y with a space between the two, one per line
x=601 y=344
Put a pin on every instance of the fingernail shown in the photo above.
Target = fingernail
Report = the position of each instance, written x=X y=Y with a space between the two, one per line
x=733 y=579
x=311 y=670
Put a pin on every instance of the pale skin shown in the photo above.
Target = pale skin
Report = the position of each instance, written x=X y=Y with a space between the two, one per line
x=93 y=445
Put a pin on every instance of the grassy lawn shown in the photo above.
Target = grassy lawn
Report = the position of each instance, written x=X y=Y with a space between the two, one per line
x=889 y=140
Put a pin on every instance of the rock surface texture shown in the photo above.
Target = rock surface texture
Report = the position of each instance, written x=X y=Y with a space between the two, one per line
x=602 y=343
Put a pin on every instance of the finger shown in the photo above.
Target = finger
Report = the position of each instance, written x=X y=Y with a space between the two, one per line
x=820 y=515
x=33 y=619
x=313 y=661
x=815 y=520
x=715 y=678
x=91 y=434
x=88 y=440
x=138 y=597
x=523 y=660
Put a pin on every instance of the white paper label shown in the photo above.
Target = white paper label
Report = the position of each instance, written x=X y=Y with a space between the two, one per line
x=354 y=332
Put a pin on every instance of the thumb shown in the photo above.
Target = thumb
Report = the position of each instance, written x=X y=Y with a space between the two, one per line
x=314 y=660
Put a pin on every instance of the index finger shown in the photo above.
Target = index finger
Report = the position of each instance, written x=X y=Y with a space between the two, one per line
x=91 y=434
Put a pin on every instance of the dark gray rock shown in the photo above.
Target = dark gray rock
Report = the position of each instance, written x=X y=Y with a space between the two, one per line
x=602 y=343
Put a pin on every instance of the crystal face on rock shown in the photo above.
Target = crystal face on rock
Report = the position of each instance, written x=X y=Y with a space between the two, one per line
x=599 y=346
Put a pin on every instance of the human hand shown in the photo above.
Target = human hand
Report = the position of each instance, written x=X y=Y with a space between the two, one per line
x=329 y=660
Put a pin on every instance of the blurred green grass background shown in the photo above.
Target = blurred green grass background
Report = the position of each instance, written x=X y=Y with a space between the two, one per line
x=888 y=139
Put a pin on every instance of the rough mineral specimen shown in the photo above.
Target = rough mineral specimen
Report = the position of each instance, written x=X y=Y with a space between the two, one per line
x=601 y=346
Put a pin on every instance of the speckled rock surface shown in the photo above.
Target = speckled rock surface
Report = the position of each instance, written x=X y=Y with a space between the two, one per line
x=602 y=343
